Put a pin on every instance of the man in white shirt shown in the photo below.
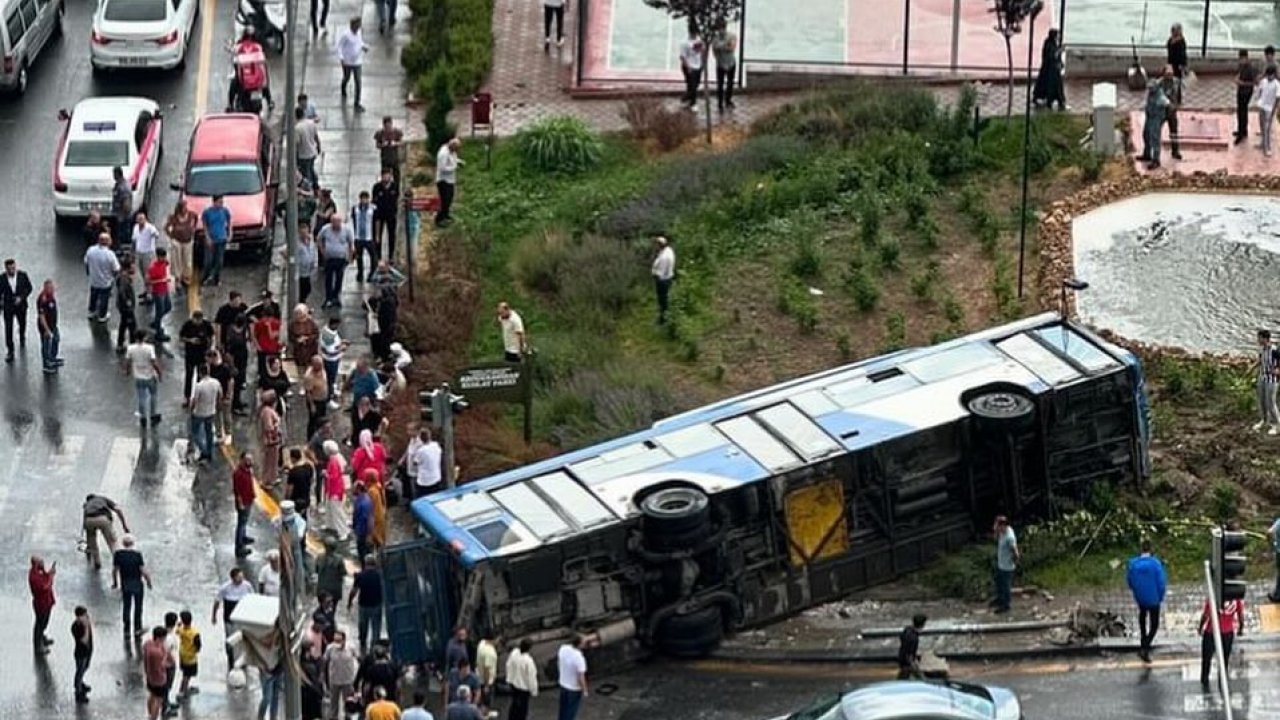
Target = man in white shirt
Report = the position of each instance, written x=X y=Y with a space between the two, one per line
x=351 y=50
x=306 y=141
x=145 y=236
x=269 y=575
x=230 y=595
x=514 y=343
x=691 y=66
x=1268 y=90
x=447 y=162
x=522 y=675
x=206 y=395
x=140 y=362
x=425 y=462
x=573 y=678
x=664 y=271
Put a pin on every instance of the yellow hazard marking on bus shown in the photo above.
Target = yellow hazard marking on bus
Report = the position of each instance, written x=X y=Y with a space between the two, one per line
x=816 y=522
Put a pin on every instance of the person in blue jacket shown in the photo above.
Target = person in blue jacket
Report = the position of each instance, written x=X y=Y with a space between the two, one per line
x=1147 y=580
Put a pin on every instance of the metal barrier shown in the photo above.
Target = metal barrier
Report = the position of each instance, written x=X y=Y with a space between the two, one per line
x=624 y=42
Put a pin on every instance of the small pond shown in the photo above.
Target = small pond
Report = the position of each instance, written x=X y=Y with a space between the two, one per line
x=1192 y=270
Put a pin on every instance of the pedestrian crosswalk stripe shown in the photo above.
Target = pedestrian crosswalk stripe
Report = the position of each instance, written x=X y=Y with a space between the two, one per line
x=1207 y=702
x=117 y=474
x=64 y=459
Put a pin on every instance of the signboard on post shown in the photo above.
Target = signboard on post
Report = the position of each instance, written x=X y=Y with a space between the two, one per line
x=505 y=382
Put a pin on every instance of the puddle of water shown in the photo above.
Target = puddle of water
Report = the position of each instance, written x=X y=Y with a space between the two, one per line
x=1190 y=270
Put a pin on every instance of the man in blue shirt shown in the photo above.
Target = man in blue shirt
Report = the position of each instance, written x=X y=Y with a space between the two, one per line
x=1147 y=580
x=217 y=231
x=362 y=518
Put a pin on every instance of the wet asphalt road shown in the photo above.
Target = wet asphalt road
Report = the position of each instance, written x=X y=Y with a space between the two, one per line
x=64 y=436
x=1050 y=690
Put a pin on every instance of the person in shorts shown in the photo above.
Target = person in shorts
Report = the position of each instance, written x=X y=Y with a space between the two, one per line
x=189 y=646
x=155 y=659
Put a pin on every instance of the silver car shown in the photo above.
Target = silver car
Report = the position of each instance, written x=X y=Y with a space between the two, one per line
x=911 y=700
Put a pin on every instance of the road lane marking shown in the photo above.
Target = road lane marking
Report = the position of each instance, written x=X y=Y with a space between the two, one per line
x=1203 y=703
x=63 y=460
x=1191 y=672
x=117 y=474
x=204 y=65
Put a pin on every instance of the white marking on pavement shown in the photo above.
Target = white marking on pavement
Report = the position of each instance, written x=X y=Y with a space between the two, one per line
x=64 y=459
x=117 y=475
x=1200 y=703
x=1191 y=672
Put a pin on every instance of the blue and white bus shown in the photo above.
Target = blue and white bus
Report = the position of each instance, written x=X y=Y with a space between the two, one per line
x=753 y=508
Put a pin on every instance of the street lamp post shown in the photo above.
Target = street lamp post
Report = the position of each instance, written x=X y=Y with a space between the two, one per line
x=1034 y=10
x=291 y=159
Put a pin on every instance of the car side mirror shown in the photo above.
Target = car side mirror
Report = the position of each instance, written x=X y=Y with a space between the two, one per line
x=63 y=115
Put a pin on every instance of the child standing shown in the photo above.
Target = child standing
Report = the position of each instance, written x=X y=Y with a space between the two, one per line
x=188 y=653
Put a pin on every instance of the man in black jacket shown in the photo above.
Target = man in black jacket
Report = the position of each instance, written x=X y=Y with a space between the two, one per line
x=386 y=202
x=14 y=291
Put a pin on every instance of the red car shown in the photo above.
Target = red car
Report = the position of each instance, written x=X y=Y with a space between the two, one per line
x=234 y=155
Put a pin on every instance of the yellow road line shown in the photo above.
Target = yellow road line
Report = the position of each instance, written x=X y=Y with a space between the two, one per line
x=204 y=65
x=265 y=502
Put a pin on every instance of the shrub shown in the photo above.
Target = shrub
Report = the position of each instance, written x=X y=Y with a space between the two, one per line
x=671 y=128
x=843 y=346
x=439 y=129
x=952 y=310
x=559 y=144
x=601 y=274
x=638 y=112
x=916 y=208
x=870 y=218
x=1004 y=290
x=989 y=236
x=889 y=251
x=806 y=263
x=923 y=283
x=849 y=116
x=861 y=284
x=538 y=263
x=795 y=300
x=895 y=332
x=1225 y=501
x=970 y=199
x=590 y=405
x=453 y=38
x=927 y=233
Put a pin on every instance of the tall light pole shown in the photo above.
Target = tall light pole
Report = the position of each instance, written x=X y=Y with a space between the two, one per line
x=1033 y=9
x=291 y=159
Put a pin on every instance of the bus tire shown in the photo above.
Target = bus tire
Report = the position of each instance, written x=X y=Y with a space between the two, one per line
x=1001 y=406
x=680 y=512
x=691 y=635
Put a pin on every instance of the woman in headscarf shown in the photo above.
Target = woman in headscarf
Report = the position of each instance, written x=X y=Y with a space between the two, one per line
x=1049 y=89
x=373 y=485
x=335 y=490
x=271 y=438
x=304 y=335
x=371 y=455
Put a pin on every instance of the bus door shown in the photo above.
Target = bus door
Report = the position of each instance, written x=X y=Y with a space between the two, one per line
x=418 y=594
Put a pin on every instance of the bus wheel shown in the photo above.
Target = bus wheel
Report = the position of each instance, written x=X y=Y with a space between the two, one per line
x=693 y=634
x=1001 y=406
x=675 y=516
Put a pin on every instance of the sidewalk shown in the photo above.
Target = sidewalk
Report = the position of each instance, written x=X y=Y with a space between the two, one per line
x=834 y=632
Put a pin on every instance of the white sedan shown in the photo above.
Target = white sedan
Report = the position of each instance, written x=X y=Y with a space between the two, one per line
x=98 y=135
x=141 y=33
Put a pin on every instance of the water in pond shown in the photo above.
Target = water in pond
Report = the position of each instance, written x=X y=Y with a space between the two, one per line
x=1191 y=270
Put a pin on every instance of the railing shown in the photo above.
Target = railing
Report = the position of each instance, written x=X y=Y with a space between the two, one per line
x=626 y=42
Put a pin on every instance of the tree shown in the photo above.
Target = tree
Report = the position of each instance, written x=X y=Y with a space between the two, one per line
x=704 y=17
x=1009 y=16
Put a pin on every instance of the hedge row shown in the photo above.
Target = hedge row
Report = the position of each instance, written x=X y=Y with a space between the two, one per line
x=453 y=38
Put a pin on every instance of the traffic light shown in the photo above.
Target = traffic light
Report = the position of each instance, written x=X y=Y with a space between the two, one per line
x=1228 y=564
x=434 y=407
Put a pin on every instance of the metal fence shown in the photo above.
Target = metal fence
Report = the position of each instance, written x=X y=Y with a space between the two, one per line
x=624 y=41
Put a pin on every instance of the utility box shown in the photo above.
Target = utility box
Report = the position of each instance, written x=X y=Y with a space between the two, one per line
x=1104 y=118
x=258 y=644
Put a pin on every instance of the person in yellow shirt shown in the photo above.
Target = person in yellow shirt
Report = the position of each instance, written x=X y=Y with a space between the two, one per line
x=381 y=708
x=188 y=653
x=487 y=667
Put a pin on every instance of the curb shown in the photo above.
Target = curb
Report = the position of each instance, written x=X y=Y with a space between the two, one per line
x=1180 y=645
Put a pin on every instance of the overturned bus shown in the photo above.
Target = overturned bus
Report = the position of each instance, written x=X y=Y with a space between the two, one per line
x=753 y=508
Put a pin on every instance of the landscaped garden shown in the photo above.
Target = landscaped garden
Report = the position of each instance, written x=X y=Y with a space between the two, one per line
x=843 y=226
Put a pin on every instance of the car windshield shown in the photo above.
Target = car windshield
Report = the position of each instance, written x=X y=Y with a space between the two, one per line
x=97 y=153
x=826 y=707
x=135 y=10
x=239 y=179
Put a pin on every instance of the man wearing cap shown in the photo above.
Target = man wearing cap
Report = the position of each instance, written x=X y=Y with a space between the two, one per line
x=290 y=519
x=14 y=291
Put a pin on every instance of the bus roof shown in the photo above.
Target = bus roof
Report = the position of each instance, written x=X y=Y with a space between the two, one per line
x=759 y=434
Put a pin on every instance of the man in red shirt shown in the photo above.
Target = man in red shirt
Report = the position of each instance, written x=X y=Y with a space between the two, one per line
x=40 y=581
x=1231 y=622
x=266 y=337
x=159 y=281
x=245 y=488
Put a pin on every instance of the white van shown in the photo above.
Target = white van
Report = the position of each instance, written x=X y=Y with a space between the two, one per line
x=28 y=26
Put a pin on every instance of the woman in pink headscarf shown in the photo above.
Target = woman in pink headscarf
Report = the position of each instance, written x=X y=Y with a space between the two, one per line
x=371 y=455
x=335 y=490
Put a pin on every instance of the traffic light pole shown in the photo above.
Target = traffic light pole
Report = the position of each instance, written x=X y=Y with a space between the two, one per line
x=1221 y=664
x=446 y=436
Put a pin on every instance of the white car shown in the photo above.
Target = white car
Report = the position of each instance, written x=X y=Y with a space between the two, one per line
x=98 y=135
x=141 y=33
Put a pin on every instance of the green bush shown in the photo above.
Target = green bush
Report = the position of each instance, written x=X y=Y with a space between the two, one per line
x=1004 y=289
x=559 y=144
x=806 y=263
x=925 y=282
x=794 y=300
x=850 y=116
x=895 y=332
x=439 y=129
x=453 y=38
x=952 y=310
x=889 y=251
x=538 y=263
x=870 y=218
x=844 y=347
x=861 y=284
x=927 y=233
